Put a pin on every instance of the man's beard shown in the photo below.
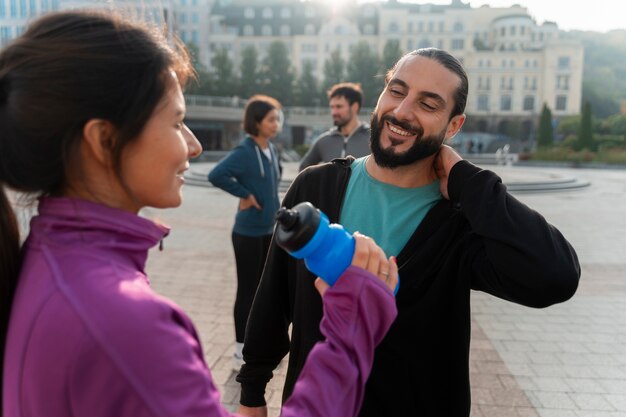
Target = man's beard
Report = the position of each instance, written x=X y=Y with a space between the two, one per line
x=423 y=147
x=342 y=121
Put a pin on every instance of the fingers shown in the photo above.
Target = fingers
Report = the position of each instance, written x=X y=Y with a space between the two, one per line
x=321 y=286
x=369 y=256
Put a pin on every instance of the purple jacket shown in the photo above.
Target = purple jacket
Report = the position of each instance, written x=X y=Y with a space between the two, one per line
x=88 y=336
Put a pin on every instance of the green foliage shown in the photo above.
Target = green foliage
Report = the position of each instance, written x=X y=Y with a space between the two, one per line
x=391 y=54
x=545 y=138
x=615 y=125
x=604 y=70
x=223 y=73
x=569 y=125
x=276 y=74
x=203 y=82
x=334 y=71
x=362 y=68
x=249 y=70
x=306 y=87
x=585 y=135
x=301 y=149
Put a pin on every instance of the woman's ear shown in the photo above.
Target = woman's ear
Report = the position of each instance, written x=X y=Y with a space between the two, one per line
x=98 y=138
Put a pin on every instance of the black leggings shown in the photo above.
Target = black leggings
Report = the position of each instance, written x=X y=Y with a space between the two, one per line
x=250 y=253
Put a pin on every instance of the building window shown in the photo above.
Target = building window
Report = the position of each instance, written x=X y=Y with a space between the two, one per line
x=309 y=11
x=483 y=102
x=562 y=82
x=458 y=44
x=505 y=103
x=512 y=30
x=5 y=34
x=3 y=11
x=194 y=37
x=340 y=30
x=502 y=31
x=285 y=30
x=309 y=47
x=561 y=102
x=267 y=13
x=194 y=18
x=309 y=29
x=285 y=13
x=563 y=62
x=458 y=27
x=182 y=18
x=184 y=37
x=248 y=13
x=410 y=30
x=266 y=30
x=425 y=43
x=431 y=27
x=393 y=27
x=368 y=29
x=248 y=30
x=529 y=103
x=440 y=27
x=420 y=26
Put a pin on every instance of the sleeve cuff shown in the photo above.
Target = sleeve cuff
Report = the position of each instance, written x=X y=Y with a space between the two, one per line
x=252 y=395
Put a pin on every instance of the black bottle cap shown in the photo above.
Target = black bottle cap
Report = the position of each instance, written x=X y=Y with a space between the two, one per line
x=296 y=226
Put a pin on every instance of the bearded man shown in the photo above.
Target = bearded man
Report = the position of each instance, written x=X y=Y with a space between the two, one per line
x=453 y=228
x=348 y=136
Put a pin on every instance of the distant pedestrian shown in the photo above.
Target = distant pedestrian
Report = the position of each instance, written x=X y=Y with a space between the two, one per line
x=349 y=136
x=91 y=123
x=252 y=172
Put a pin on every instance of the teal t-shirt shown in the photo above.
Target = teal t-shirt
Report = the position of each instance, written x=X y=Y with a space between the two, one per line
x=385 y=212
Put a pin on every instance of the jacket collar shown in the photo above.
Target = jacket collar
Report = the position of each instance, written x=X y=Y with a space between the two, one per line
x=79 y=223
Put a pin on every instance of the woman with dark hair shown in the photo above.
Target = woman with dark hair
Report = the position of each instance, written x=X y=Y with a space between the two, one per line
x=91 y=124
x=251 y=172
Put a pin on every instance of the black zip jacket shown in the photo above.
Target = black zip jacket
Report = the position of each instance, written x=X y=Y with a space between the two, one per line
x=482 y=239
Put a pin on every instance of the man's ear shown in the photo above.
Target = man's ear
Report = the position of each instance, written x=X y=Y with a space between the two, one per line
x=454 y=126
x=355 y=107
x=98 y=138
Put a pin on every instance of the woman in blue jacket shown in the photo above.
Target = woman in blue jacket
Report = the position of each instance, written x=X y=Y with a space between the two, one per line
x=251 y=172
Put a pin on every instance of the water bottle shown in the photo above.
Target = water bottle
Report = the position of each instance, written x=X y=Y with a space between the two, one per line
x=306 y=233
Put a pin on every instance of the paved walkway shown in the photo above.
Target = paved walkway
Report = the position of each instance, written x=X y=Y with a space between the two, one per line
x=568 y=360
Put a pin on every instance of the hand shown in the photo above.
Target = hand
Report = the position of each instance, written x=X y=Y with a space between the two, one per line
x=369 y=256
x=252 y=411
x=249 y=201
x=444 y=161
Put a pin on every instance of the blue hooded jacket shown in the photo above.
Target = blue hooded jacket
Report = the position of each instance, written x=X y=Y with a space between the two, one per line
x=247 y=170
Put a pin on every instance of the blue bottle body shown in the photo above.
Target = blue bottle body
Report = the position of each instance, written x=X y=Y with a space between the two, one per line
x=329 y=252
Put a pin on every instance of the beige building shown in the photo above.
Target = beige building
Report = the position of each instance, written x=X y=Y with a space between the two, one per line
x=514 y=63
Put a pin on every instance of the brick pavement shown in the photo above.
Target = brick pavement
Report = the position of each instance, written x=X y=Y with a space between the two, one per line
x=565 y=361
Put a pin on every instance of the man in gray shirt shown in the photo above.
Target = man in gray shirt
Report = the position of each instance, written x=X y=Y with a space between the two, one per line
x=349 y=136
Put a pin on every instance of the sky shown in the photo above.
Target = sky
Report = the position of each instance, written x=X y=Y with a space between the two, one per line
x=596 y=15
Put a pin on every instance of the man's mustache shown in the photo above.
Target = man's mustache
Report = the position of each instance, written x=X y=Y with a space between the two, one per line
x=416 y=130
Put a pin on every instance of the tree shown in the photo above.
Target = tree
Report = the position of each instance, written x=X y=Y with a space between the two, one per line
x=276 y=73
x=334 y=71
x=249 y=70
x=363 y=68
x=223 y=73
x=203 y=83
x=585 y=135
x=307 y=88
x=391 y=54
x=545 y=137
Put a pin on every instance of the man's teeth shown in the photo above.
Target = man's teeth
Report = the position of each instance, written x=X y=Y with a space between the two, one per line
x=399 y=131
